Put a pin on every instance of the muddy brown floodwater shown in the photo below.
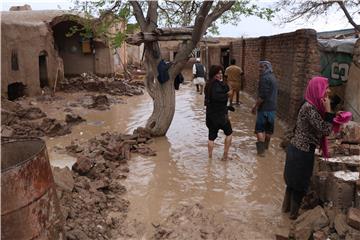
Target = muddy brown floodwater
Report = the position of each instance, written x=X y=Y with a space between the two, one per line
x=247 y=188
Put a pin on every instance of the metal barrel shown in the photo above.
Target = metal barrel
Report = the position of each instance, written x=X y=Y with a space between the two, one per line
x=29 y=205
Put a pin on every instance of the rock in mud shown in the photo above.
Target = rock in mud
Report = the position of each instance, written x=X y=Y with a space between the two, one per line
x=73 y=119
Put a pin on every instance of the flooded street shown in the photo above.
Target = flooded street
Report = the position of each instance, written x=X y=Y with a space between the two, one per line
x=247 y=188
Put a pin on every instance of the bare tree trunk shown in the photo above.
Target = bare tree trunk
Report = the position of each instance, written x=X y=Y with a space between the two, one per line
x=164 y=108
x=163 y=95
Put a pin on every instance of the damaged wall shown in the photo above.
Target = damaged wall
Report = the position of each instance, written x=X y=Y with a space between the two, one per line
x=23 y=43
x=35 y=50
x=352 y=87
x=295 y=58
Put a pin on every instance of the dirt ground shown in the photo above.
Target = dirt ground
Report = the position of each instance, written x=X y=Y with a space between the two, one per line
x=192 y=197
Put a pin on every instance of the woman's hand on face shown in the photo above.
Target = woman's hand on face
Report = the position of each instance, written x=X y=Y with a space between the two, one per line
x=326 y=102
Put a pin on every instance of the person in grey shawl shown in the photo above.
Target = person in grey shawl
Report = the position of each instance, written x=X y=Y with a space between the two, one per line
x=265 y=107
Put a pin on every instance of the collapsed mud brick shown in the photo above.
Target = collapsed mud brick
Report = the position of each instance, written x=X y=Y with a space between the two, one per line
x=340 y=163
x=30 y=113
x=340 y=225
x=282 y=234
x=108 y=85
x=310 y=221
x=95 y=209
x=63 y=178
x=53 y=127
x=83 y=165
x=73 y=119
x=353 y=218
x=341 y=189
x=357 y=194
x=351 y=133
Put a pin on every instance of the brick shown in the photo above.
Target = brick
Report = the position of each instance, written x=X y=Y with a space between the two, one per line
x=353 y=218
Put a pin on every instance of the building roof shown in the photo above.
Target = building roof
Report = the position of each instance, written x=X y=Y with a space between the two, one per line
x=342 y=32
x=337 y=45
x=31 y=17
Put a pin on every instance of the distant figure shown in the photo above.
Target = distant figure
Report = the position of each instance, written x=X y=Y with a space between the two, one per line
x=216 y=97
x=233 y=78
x=313 y=124
x=265 y=107
x=199 y=76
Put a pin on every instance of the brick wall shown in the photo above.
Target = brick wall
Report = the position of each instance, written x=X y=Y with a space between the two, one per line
x=295 y=59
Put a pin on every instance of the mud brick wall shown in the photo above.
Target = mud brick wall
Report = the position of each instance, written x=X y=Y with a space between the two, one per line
x=295 y=59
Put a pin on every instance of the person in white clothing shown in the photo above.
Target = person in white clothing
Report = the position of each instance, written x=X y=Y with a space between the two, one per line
x=199 y=76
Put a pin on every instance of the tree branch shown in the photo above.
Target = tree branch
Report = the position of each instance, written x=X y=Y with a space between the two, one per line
x=110 y=11
x=199 y=28
x=152 y=14
x=139 y=15
x=220 y=8
x=348 y=16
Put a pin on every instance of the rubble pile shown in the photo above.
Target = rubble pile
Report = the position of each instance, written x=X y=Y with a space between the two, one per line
x=110 y=85
x=98 y=102
x=324 y=223
x=346 y=142
x=91 y=194
x=334 y=201
x=31 y=122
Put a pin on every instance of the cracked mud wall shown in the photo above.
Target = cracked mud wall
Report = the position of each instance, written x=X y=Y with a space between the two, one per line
x=27 y=41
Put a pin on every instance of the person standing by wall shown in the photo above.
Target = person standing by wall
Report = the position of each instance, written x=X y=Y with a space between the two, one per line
x=314 y=123
x=232 y=77
x=265 y=107
x=199 y=76
x=216 y=97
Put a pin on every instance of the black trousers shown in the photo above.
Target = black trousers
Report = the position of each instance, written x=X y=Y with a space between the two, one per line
x=297 y=174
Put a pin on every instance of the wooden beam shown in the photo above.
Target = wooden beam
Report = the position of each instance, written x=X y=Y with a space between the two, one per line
x=160 y=34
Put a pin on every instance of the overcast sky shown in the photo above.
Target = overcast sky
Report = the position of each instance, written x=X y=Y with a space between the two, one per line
x=248 y=27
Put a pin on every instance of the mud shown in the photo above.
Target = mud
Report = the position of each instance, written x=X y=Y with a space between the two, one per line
x=109 y=85
x=21 y=121
x=92 y=195
x=24 y=118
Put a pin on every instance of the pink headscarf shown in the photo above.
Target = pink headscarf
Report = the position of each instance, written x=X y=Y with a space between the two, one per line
x=315 y=91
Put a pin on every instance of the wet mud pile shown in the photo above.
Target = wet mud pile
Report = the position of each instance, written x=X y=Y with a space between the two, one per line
x=18 y=121
x=110 y=85
x=91 y=195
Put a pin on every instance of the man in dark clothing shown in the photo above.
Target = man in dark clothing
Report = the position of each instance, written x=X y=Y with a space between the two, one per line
x=265 y=107
x=199 y=75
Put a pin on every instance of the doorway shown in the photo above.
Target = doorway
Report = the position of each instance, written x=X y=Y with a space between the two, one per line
x=44 y=81
x=16 y=90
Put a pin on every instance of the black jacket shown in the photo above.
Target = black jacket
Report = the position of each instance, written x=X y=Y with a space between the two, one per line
x=216 y=99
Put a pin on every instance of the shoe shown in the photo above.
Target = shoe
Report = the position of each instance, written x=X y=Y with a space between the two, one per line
x=286 y=202
x=260 y=148
x=294 y=209
x=231 y=108
x=267 y=143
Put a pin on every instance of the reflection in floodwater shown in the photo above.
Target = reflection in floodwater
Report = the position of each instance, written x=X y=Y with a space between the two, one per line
x=247 y=188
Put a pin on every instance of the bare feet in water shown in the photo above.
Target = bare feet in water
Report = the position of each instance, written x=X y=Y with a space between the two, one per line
x=225 y=158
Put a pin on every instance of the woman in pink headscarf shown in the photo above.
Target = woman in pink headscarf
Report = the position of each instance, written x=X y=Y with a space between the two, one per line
x=314 y=123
